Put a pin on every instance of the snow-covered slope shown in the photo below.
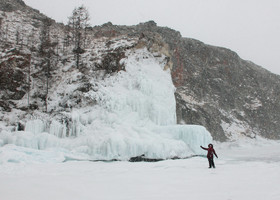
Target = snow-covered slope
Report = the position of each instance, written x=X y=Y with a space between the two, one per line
x=134 y=113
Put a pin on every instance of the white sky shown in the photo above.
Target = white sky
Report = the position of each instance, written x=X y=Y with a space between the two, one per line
x=249 y=27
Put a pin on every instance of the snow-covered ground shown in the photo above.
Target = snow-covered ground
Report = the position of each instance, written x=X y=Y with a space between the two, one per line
x=245 y=170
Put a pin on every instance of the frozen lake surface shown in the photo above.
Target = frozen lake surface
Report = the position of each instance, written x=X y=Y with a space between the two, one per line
x=244 y=170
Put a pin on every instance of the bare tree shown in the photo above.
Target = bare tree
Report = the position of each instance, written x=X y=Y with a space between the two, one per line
x=17 y=36
x=1 y=27
x=78 y=22
x=67 y=38
x=47 y=52
x=28 y=81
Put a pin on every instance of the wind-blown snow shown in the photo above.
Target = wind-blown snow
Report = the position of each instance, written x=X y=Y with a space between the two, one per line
x=135 y=114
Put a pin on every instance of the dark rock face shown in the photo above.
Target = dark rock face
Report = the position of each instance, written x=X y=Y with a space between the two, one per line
x=220 y=91
x=11 y=5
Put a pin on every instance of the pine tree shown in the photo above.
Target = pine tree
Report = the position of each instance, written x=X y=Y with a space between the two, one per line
x=78 y=22
x=46 y=51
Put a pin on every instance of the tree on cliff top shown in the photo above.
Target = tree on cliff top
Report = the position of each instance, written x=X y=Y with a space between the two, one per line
x=78 y=23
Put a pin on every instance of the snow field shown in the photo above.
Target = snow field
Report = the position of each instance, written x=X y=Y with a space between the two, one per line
x=234 y=178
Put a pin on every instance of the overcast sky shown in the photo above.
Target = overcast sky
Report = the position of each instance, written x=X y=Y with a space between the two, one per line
x=249 y=27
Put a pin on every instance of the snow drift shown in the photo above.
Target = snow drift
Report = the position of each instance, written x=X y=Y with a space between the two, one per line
x=134 y=114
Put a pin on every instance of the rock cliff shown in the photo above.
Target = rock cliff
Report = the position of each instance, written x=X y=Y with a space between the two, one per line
x=214 y=86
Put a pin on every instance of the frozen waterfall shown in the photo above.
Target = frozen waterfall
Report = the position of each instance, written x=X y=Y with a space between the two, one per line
x=135 y=114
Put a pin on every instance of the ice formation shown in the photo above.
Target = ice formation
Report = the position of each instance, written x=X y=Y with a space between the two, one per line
x=135 y=114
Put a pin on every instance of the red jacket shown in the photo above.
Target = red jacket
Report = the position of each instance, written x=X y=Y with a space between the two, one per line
x=211 y=151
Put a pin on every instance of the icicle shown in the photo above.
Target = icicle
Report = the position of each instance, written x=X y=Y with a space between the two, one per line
x=35 y=126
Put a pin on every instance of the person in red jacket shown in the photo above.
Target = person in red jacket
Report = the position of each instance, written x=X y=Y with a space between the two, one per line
x=210 y=156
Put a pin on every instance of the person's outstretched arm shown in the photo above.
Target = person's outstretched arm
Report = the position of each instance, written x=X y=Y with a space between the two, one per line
x=204 y=148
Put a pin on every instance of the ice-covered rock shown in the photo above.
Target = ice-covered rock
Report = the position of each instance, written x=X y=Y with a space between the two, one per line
x=134 y=114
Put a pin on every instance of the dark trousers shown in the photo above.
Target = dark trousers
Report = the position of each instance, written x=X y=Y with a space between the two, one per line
x=211 y=162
